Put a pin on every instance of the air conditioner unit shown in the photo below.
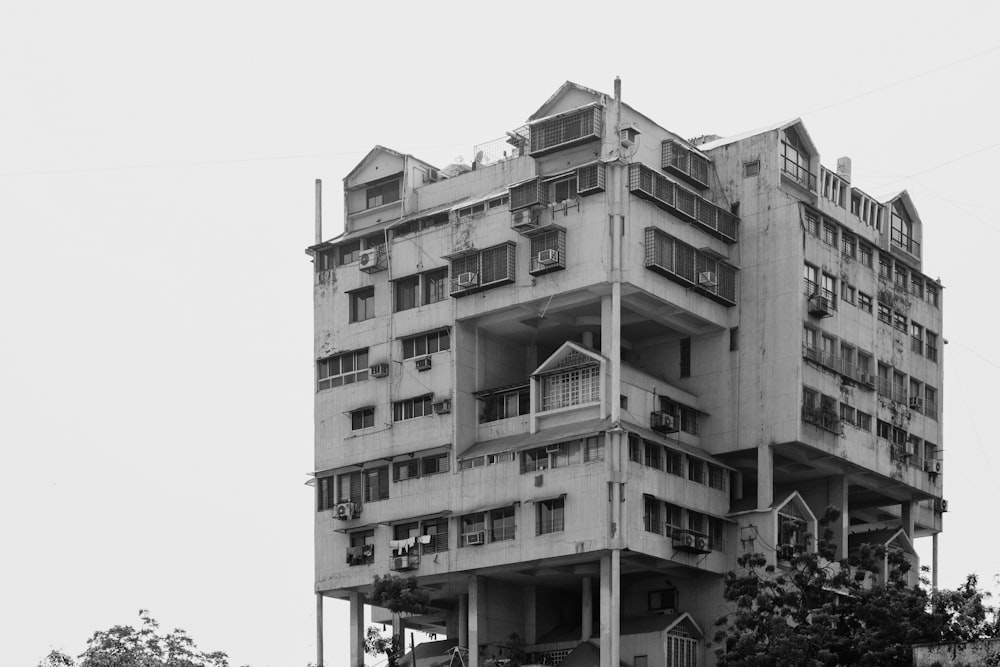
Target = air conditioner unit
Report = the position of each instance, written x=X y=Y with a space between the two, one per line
x=548 y=257
x=474 y=538
x=820 y=306
x=916 y=403
x=940 y=505
x=524 y=220
x=933 y=466
x=379 y=370
x=708 y=279
x=467 y=279
x=701 y=544
x=662 y=422
x=423 y=363
x=684 y=540
x=432 y=176
x=442 y=407
x=347 y=511
x=403 y=563
x=368 y=260
x=868 y=379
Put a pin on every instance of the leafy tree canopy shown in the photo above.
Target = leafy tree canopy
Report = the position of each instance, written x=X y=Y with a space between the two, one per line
x=821 y=611
x=399 y=595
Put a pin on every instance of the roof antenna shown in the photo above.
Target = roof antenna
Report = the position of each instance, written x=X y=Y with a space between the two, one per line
x=319 y=211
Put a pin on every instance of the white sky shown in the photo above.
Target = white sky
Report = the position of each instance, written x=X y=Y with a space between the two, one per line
x=156 y=194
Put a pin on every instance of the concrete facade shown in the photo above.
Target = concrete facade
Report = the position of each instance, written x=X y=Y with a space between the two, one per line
x=568 y=387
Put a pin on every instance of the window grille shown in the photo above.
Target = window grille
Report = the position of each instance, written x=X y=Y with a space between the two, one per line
x=530 y=193
x=590 y=178
x=573 y=387
x=647 y=184
x=492 y=267
x=552 y=239
x=685 y=163
x=682 y=263
x=564 y=130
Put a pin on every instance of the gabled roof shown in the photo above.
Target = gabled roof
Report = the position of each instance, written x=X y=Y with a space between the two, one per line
x=546 y=107
x=430 y=653
x=883 y=537
x=795 y=500
x=567 y=350
x=903 y=196
x=549 y=436
x=371 y=156
x=773 y=127
x=660 y=623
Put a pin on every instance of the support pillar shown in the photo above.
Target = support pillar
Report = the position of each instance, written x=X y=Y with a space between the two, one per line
x=765 y=476
x=934 y=561
x=357 y=639
x=474 y=606
x=319 y=630
x=838 y=494
x=586 y=610
x=530 y=615
x=606 y=612
x=616 y=595
x=906 y=512
x=463 y=620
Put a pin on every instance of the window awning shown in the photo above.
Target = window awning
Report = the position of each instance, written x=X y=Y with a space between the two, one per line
x=478 y=200
x=528 y=440
x=659 y=438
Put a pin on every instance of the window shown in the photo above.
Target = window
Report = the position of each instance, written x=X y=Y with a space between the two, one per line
x=551 y=516
x=474 y=462
x=916 y=390
x=593 y=448
x=931 y=294
x=847 y=413
x=548 y=252
x=865 y=254
x=362 y=304
x=830 y=288
x=864 y=362
x=830 y=234
x=435 y=286
x=566 y=129
x=846 y=292
x=350 y=487
x=376 y=481
x=848 y=245
x=472 y=210
x=326 y=496
x=734 y=339
x=420 y=467
x=795 y=160
x=751 y=168
x=502 y=524
x=483 y=269
x=428 y=343
x=884 y=313
x=898 y=386
x=362 y=549
x=437 y=530
x=901 y=229
x=685 y=264
x=864 y=421
x=884 y=381
x=578 y=386
x=685 y=369
x=348 y=252
x=916 y=338
x=717 y=477
x=864 y=302
x=884 y=266
x=406 y=530
x=932 y=346
x=362 y=418
x=405 y=292
x=341 y=369
x=902 y=278
x=812 y=223
x=930 y=402
x=696 y=470
x=681 y=649
x=382 y=193
x=412 y=408
x=899 y=321
x=505 y=404
x=811 y=276
x=564 y=188
x=473 y=528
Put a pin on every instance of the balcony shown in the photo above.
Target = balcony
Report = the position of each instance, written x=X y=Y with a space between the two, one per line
x=405 y=562
x=647 y=184
x=684 y=264
x=565 y=130
x=798 y=174
x=690 y=541
x=685 y=163
x=825 y=419
x=905 y=243
x=821 y=305
x=363 y=555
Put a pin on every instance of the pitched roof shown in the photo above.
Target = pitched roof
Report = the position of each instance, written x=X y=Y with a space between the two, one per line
x=780 y=125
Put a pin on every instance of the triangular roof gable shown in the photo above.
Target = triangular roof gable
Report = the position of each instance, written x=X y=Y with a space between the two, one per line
x=372 y=156
x=567 y=355
x=799 y=505
x=906 y=200
x=780 y=126
x=687 y=622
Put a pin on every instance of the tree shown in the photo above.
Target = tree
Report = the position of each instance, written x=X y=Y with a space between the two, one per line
x=402 y=597
x=126 y=646
x=820 y=610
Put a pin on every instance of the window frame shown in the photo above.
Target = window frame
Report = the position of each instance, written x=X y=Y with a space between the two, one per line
x=362 y=304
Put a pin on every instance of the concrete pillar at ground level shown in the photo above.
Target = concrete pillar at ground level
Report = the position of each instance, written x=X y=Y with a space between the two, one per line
x=530 y=615
x=906 y=511
x=839 y=498
x=605 y=603
x=463 y=620
x=357 y=639
x=475 y=600
x=319 y=630
x=616 y=605
x=586 y=610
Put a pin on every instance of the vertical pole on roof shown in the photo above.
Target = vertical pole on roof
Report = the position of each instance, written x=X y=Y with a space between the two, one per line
x=319 y=211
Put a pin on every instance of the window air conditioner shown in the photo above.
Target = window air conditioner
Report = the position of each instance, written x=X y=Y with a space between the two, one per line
x=933 y=466
x=442 y=407
x=916 y=403
x=403 y=563
x=701 y=544
x=475 y=538
x=423 y=363
x=820 y=306
x=662 y=422
x=708 y=279
x=347 y=511
x=467 y=279
x=379 y=370
x=368 y=260
x=868 y=379
x=940 y=505
x=548 y=257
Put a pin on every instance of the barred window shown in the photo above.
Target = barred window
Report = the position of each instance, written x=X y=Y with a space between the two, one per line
x=573 y=387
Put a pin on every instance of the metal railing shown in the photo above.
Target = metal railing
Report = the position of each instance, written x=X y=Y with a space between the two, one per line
x=823 y=418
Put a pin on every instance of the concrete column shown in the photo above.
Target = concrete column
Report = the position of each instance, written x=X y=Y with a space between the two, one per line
x=906 y=511
x=586 y=610
x=530 y=615
x=606 y=612
x=398 y=634
x=474 y=607
x=319 y=613
x=616 y=604
x=357 y=616
x=838 y=495
x=463 y=620
x=934 y=561
x=765 y=476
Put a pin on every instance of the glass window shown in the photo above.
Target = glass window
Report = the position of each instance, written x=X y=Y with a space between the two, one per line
x=362 y=304
x=435 y=285
x=551 y=516
x=406 y=290
x=363 y=418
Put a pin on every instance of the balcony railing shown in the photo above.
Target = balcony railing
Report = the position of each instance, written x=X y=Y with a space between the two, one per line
x=823 y=418
x=647 y=184
x=899 y=393
x=690 y=267
x=798 y=173
x=363 y=555
x=904 y=242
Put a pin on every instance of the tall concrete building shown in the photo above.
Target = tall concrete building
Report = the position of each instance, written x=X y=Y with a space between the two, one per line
x=566 y=387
